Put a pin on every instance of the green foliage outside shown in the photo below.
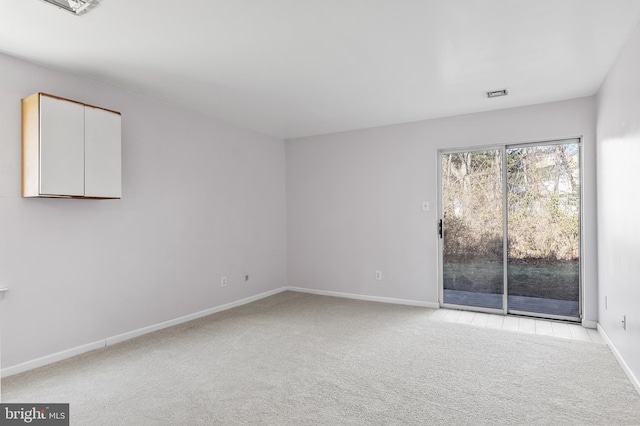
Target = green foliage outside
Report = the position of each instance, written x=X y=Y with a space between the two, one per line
x=543 y=220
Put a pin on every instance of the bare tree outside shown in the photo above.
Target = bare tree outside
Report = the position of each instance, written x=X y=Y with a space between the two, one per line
x=472 y=203
x=543 y=219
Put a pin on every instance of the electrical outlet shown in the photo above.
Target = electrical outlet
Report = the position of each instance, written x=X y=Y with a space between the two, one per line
x=624 y=322
x=378 y=275
x=223 y=282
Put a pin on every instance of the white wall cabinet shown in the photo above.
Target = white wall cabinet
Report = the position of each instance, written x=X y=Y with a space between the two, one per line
x=69 y=149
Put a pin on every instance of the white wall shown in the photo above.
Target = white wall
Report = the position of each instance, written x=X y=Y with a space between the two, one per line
x=354 y=198
x=201 y=199
x=618 y=135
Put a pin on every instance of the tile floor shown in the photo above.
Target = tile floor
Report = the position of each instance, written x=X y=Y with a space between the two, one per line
x=519 y=324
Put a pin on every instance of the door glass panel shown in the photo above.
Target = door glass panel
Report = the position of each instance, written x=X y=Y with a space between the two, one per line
x=543 y=266
x=472 y=203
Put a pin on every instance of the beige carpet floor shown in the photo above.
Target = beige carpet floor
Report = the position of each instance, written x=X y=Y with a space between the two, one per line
x=300 y=359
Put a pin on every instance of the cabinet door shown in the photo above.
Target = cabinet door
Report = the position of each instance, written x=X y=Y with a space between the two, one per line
x=102 y=153
x=61 y=147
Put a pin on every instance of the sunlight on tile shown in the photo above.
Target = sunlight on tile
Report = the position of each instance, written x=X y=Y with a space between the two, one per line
x=595 y=336
x=510 y=323
x=466 y=317
x=561 y=330
x=480 y=319
x=537 y=326
x=527 y=325
x=579 y=333
x=543 y=328
x=495 y=321
x=452 y=316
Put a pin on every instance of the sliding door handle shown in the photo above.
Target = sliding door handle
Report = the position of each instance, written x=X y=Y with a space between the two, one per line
x=440 y=228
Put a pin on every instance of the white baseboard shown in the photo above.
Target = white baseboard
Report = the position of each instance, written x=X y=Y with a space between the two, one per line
x=634 y=380
x=59 y=356
x=50 y=359
x=589 y=324
x=433 y=305
x=141 y=331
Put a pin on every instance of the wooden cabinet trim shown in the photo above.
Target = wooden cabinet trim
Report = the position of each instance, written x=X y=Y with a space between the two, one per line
x=77 y=102
x=31 y=146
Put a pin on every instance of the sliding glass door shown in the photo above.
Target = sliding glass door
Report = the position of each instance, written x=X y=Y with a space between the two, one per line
x=472 y=226
x=511 y=229
x=543 y=262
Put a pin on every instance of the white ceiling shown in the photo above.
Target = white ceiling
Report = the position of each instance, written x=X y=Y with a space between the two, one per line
x=292 y=68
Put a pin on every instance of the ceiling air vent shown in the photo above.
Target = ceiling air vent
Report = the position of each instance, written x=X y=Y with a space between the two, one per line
x=77 y=7
x=497 y=93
